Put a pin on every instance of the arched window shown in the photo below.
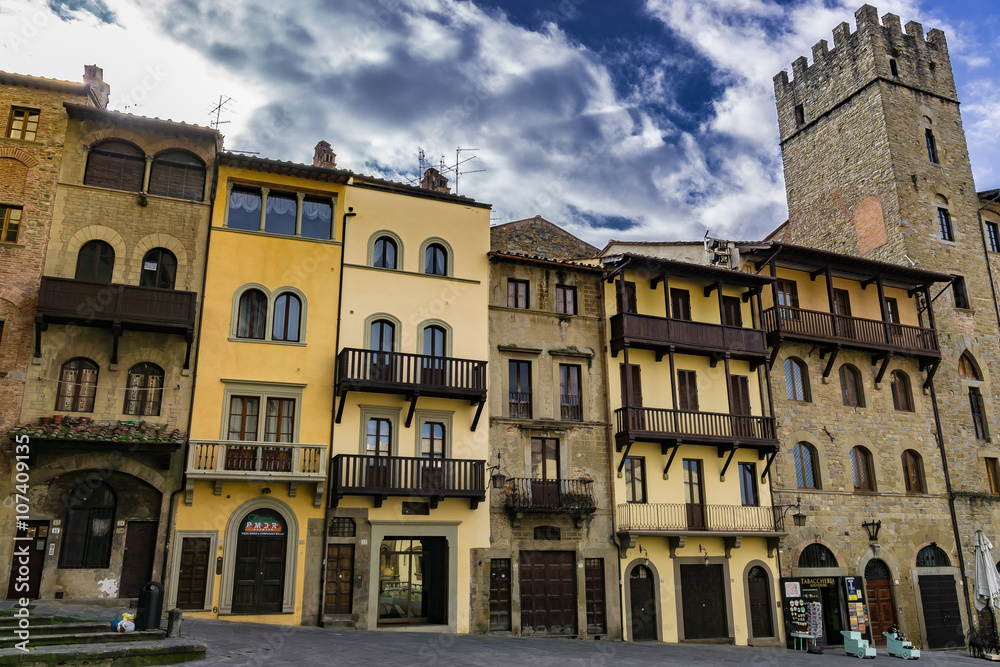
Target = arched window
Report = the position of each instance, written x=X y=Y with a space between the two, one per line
x=115 y=164
x=968 y=369
x=913 y=472
x=95 y=262
x=932 y=556
x=863 y=469
x=77 y=386
x=144 y=391
x=287 y=317
x=902 y=398
x=434 y=347
x=850 y=386
x=797 y=380
x=159 y=269
x=383 y=336
x=384 y=253
x=89 y=527
x=436 y=260
x=252 y=317
x=817 y=555
x=806 y=469
x=434 y=341
x=179 y=174
x=877 y=569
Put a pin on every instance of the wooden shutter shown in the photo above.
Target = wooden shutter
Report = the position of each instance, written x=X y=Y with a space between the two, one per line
x=118 y=166
x=629 y=306
x=680 y=304
x=741 y=394
x=687 y=391
x=634 y=398
x=732 y=314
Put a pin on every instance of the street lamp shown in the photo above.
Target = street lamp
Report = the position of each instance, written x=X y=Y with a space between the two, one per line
x=799 y=518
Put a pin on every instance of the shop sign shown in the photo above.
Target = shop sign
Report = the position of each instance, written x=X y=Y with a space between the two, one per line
x=819 y=582
x=263 y=522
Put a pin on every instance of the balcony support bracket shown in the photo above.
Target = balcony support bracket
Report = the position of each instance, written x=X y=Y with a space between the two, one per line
x=40 y=326
x=767 y=466
x=626 y=541
x=817 y=273
x=189 y=492
x=116 y=333
x=479 y=412
x=293 y=489
x=833 y=351
x=749 y=294
x=931 y=370
x=731 y=543
x=870 y=281
x=670 y=460
x=675 y=542
x=885 y=357
x=413 y=407
x=715 y=358
x=379 y=499
x=621 y=466
x=318 y=495
x=774 y=354
x=655 y=280
x=722 y=452
x=474 y=502
x=189 y=339
x=711 y=288
x=774 y=544
x=218 y=487
x=340 y=408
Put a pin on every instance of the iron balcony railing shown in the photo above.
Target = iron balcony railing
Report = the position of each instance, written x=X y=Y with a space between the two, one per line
x=692 y=516
x=550 y=495
x=570 y=407
x=519 y=406
x=663 y=423
x=226 y=459
x=856 y=331
x=648 y=331
x=403 y=372
x=433 y=478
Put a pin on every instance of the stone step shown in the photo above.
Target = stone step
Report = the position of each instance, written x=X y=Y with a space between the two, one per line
x=126 y=654
x=43 y=638
x=8 y=621
x=73 y=627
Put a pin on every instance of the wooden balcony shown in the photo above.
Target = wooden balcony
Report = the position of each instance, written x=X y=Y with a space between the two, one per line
x=574 y=496
x=813 y=326
x=262 y=462
x=114 y=306
x=412 y=477
x=660 y=333
x=411 y=375
x=708 y=428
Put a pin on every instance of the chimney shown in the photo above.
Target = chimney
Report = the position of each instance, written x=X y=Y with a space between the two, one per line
x=100 y=92
x=324 y=156
x=433 y=180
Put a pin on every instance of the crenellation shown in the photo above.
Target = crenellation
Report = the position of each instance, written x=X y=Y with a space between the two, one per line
x=841 y=34
x=916 y=30
x=935 y=38
x=866 y=16
x=891 y=21
x=820 y=51
x=799 y=67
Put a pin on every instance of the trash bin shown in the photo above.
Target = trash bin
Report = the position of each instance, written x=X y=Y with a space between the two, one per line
x=147 y=616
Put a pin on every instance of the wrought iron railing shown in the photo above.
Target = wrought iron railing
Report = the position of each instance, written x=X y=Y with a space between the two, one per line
x=553 y=495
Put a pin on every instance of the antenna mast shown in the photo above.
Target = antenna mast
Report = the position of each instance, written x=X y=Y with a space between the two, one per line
x=217 y=110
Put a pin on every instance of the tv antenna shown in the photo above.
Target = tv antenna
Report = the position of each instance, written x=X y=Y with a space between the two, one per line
x=459 y=162
x=217 y=110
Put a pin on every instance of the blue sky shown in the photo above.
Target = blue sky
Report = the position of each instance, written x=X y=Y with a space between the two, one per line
x=637 y=119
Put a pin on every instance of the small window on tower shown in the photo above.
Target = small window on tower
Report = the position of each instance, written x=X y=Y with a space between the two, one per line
x=932 y=153
x=958 y=290
x=892 y=67
x=800 y=115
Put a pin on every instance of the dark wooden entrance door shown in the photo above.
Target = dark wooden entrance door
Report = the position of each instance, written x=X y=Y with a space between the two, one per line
x=880 y=608
x=499 y=594
x=643 y=604
x=732 y=313
x=137 y=563
x=259 y=576
x=29 y=553
x=593 y=574
x=693 y=497
x=339 y=578
x=761 y=624
x=548 y=593
x=842 y=308
x=703 y=602
x=939 y=601
x=193 y=575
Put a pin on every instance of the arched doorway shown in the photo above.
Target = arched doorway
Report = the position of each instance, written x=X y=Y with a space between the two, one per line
x=259 y=575
x=643 y=604
x=758 y=591
x=878 y=591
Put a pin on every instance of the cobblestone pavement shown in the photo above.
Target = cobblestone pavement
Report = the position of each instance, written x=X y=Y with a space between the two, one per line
x=252 y=644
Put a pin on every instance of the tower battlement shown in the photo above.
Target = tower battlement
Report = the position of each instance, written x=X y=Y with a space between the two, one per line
x=875 y=50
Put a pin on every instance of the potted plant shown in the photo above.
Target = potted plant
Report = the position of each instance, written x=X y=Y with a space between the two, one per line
x=143 y=201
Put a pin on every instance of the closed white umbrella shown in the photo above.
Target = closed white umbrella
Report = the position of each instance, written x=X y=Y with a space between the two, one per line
x=987 y=579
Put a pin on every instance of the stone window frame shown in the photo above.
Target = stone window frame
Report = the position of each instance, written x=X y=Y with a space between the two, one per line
x=175 y=565
x=851 y=373
x=791 y=363
x=422 y=416
x=449 y=334
x=449 y=257
x=992 y=235
x=262 y=391
x=271 y=296
x=913 y=469
x=394 y=237
x=300 y=195
x=814 y=456
x=862 y=456
x=379 y=412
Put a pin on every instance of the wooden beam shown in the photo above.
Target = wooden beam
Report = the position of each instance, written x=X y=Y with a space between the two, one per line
x=666 y=468
x=834 y=351
x=655 y=280
x=479 y=411
x=628 y=448
x=710 y=288
x=340 y=408
x=413 y=407
x=818 y=272
x=675 y=542
x=932 y=369
x=767 y=466
x=883 y=367
x=866 y=283
x=732 y=452
x=749 y=294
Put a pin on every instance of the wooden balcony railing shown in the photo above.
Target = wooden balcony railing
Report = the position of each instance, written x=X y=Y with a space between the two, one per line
x=88 y=303
x=659 y=424
x=402 y=372
x=225 y=459
x=519 y=406
x=814 y=325
x=550 y=495
x=694 y=517
x=649 y=332
x=570 y=407
x=432 y=479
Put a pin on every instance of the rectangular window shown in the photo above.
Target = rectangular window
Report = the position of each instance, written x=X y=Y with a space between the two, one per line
x=993 y=473
x=432 y=441
x=892 y=310
x=23 y=123
x=628 y=305
x=517 y=293
x=944 y=224
x=680 y=304
x=520 y=389
x=279 y=426
x=378 y=440
x=243 y=413
x=993 y=236
x=317 y=218
x=978 y=407
x=748 y=484
x=635 y=479
x=566 y=299
x=280 y=216
x=800 y=115
x=570 y=396
x=788 y=296
x=10 y=223
x=244 y=209
x=932 y=154
x=732 y=311
x=687 y=391
x=959 y=292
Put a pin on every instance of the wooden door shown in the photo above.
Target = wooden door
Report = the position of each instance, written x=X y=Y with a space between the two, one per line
x=545 y=472
x=593 y=574
x=193 y=574
x=548 y=593
x=499 y=594
x=137 y=563
x=632 y=397
x=703 y=602
x=642 y=604
x=629 y=304
x=842 y=309
x=742 y=426
x=732 y=312
x=694 y=498
x=259 y=575
x=758 y=590
x=680 y=304
x=339 y=578
x=29 y=550
x=939 y=603
x=881 y=612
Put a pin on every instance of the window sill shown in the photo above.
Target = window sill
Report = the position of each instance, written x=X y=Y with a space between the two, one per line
x=970 y=311
x=7 y=244
x=288 y=343
x=947 y=242
x=415 y=274
x=25 y=142
x=272 y=235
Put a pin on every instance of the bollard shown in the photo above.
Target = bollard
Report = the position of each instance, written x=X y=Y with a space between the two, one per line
x=174 y=617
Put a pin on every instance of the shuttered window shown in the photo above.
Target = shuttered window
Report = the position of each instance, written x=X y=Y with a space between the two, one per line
x=902 y=397
x=850 y=386
x=913 y=472
x=116 y=165
x=687 y=390
x=177 y=174
x=978 y=413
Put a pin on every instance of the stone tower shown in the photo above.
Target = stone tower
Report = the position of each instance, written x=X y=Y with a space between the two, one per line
x=876 y=164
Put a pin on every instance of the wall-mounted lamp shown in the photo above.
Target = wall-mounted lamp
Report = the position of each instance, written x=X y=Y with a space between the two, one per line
x=497 y=478
x=872 y=528
x=266 y=490
x=703 y=550
x=644 y=554
x=781 y=510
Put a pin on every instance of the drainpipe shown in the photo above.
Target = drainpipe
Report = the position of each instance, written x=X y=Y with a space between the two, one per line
x=333 y=418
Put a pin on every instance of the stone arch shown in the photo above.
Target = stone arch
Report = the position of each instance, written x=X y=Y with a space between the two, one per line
x=21 y=155
x=111 y=461
x=771 y=601
x=20 y=299
x=14 y=322
x=884 y=555
x=171 y=144
x=90 y=139
x=98 y=233
x=951 y=553
x=160 y=240
x=799 y=548
x=657 y=598
x=13 y=177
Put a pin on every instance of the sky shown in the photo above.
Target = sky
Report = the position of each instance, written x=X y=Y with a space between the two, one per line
x=632 y=120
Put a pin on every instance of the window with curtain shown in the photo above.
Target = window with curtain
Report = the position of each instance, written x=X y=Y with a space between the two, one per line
x=902 y=397
x=77 y=386
x=797 y=380
x=159 y=269
x=436 y=260
x=379 y=437
x=850 y=386
x=279 y=421
x=89 y=527
x=252 y=315
x=244 y=209
x=432 y=440
x=806 y=466
x=520 y=389
x=287 y=317
x=117 y=165
x=570 y=393
x=863 y=469
x=317 y=218
x=913 y=472
x=384 y=253
x=144 y=390
x=179 y=174
x=95 y=262
x=244 y=412
x=280 y=215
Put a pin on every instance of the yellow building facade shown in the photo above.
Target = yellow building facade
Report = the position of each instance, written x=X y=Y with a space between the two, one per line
x=694 y=439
